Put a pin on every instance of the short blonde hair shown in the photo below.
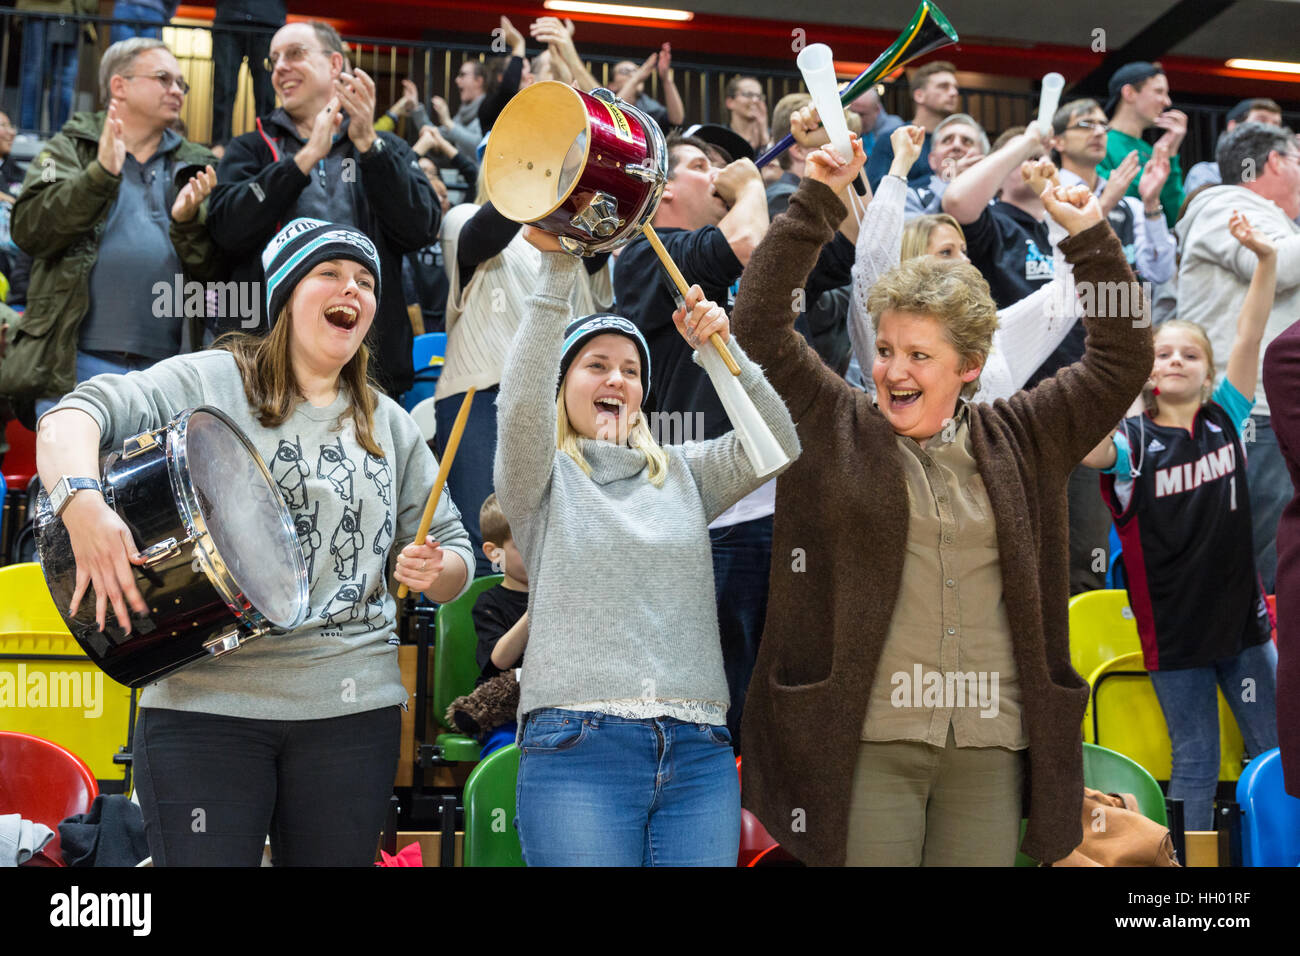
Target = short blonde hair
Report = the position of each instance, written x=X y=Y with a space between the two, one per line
x=952 y=293
x=916 y=234
x=640 y=438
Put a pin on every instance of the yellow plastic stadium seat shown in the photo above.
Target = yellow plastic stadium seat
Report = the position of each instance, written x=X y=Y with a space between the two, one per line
x=1125 y=716
x=1102 y=628
x=25 y=603
x=48 y=686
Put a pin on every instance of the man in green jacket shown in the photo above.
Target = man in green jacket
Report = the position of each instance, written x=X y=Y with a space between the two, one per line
x=112 y=212
x=1139 y=99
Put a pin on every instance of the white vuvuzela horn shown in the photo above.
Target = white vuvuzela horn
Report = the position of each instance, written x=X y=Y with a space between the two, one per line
x=761 y=446
x=817 y=65
x=1049 y=100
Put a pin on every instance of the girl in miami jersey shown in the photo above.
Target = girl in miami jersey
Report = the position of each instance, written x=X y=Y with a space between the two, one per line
x=1175 y=480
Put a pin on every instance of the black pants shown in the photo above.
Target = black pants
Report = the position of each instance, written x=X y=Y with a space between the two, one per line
x=212 y=787
x=1089 y=531
x=742 y=560
x=228 y=51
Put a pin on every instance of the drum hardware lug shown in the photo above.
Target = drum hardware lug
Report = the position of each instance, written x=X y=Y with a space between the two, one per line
x=156 y=553
x=223 y=643
x=230 y=640
x=139 y=444
x=604 y=95
x=599 y=217
x=110 y=497
x=571 y=246
x=168 y=548
x=644 y=173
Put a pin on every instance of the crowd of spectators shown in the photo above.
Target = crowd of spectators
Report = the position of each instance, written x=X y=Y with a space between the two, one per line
x=118 y=205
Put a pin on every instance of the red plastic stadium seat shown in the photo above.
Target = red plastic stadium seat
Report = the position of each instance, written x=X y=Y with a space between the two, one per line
x=20 y=460
x=46 y=784
x=1272 y=613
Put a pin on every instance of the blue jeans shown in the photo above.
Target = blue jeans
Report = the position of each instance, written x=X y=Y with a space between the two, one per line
x=135 y=11
x=1270 y=492
x=596 y=790
x=88 y=366
x=470 y=480
x=742 y=559
x=47 y=61
x=1191 y=711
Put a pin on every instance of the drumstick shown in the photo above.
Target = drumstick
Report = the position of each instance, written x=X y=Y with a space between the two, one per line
x=679 y=280
x=444 y=466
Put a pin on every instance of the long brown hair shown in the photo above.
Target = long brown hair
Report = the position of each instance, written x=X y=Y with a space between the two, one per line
x=271 y=387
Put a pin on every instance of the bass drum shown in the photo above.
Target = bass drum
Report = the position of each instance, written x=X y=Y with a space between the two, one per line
x=588 y=168
x=223 y=564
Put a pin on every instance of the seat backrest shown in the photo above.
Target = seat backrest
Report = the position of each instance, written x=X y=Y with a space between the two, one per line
x=20 y=459
x=1111 y=772
x=1102 y=627
x=490 y=835
x=25 y=603
x=455 y=667
x=1271 y=816
x=1125 y=716
x=43 y=781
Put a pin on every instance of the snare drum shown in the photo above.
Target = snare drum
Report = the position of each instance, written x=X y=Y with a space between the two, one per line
x=222 y=560
x=588 y=168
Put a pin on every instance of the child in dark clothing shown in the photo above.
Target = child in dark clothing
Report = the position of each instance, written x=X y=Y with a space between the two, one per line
x=501 y=623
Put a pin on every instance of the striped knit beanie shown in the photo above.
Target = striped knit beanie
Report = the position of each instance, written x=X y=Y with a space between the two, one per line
x=301 y=246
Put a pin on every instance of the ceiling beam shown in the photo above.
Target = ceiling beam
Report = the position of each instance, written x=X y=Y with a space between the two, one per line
x=1160 y=36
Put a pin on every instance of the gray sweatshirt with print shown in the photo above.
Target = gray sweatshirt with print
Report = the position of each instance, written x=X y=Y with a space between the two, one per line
x=351 y=511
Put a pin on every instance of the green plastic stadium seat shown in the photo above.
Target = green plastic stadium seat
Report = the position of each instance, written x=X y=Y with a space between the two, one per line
x=455 y=668
x=490 y=835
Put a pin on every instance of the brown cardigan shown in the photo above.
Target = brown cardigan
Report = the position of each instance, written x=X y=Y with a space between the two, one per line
x=840 y=534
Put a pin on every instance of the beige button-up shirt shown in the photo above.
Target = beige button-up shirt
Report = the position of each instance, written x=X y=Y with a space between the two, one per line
x=947 y=658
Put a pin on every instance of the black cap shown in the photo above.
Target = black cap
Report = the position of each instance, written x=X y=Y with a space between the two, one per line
x=1238 y=112
x=1133 y=73
x=724 y=138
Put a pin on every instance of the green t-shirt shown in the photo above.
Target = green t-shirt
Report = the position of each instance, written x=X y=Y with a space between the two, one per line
x=1119 y=145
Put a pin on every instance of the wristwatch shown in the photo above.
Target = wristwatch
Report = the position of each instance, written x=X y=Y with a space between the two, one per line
x=1159 y=211
x=66 y=487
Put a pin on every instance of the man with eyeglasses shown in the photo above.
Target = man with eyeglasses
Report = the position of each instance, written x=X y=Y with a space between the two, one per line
x=110 y=212
x=231 y=46
x=318 y=156
x=1260 y=166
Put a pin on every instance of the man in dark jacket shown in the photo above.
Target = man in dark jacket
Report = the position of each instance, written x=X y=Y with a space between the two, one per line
x=108 y=227
x=308 y=159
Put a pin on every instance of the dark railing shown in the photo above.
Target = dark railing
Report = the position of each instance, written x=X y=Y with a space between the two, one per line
x=432 y=64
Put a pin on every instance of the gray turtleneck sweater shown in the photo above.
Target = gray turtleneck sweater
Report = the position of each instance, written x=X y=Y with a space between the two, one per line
x=622 y=605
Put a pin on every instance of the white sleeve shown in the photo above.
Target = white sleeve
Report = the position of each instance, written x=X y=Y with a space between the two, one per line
x=1156 y=249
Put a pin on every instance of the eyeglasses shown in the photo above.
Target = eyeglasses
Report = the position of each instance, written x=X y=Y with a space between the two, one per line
x=163 y=77
x=294 y=54
x=1091 y=126
x=750 y=96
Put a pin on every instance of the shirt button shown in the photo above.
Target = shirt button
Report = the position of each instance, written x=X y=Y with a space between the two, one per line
x=947 y=538
x=942 y=499
x=950 y=582
x=952 y=630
